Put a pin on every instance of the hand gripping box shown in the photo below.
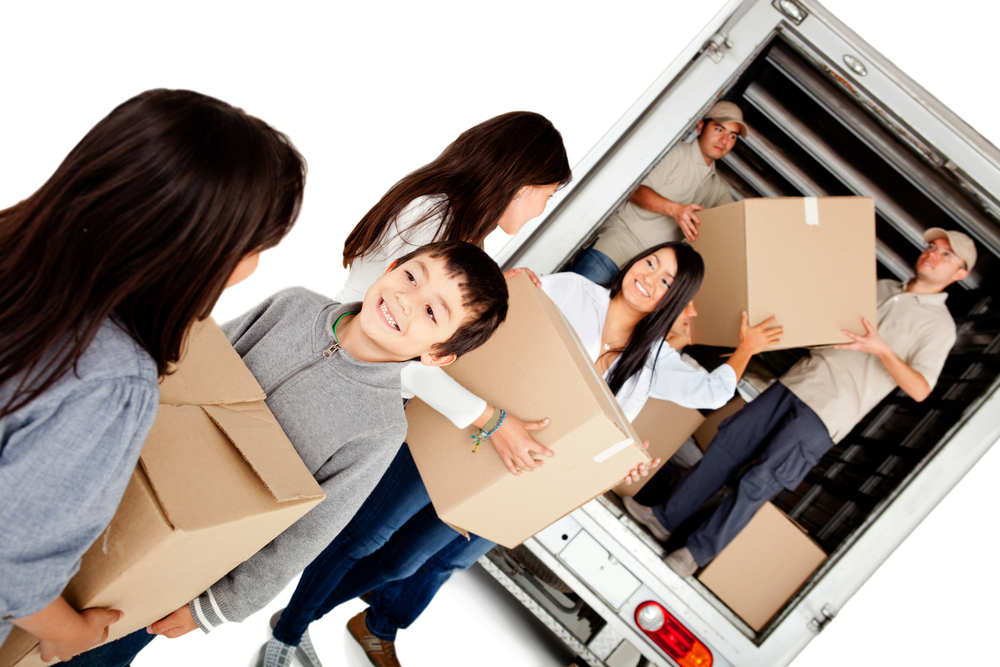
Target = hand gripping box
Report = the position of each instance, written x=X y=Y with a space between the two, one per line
x=809 y=261
x=217 y=480
x=666 y=426
x=534 y=367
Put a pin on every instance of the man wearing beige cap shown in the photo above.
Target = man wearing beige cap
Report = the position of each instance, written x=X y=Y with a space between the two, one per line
x=665 y=205
x=789 y=427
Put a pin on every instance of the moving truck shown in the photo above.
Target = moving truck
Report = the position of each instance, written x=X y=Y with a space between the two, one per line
x=829 y=117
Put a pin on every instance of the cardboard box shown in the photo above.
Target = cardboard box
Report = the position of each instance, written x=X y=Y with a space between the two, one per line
x=534 y=367
x=666 y=426
x=763 y=567
x=809 y=261
x=217 y=480
x=706 y=432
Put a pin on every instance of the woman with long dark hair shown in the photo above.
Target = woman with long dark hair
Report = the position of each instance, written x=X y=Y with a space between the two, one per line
x=624 y=330
x=499 y=173
x=163 y=204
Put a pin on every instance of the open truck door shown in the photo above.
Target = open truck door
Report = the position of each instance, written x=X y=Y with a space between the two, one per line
x=829 y=117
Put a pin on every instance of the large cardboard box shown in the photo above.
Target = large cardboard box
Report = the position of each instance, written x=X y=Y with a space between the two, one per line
x=666 y=426
x=217 y=480
x=763 y=567
x=534 y=367
x=706 y=432
x=809 y=261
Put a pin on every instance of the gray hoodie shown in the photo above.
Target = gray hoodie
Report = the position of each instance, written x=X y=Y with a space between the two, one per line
x=343 y=416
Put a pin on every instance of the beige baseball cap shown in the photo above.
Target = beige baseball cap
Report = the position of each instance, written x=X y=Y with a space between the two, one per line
x=727 y=112
x=963 y=246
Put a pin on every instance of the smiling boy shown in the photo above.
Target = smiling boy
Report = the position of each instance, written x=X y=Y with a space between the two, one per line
x=331 y=373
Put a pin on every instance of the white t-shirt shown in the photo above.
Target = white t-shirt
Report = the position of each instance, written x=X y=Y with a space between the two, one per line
x=401 y=237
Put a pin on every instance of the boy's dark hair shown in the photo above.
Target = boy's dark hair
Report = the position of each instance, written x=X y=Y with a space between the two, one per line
x=484 y=291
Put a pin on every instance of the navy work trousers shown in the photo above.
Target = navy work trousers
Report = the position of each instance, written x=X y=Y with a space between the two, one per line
x=785 y=436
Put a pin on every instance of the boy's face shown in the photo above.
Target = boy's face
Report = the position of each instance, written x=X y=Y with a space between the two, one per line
x=413 y=307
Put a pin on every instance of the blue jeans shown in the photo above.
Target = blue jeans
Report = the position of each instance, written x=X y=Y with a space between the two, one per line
x=118 y=653
x=397 y=603
x=345 y=569
x=595 y=266
x=785 y=436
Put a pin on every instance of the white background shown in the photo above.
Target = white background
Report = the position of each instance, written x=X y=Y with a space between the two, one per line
x=368 y=92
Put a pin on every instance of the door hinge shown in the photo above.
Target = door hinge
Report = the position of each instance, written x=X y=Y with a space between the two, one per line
x=715 y=46
x=827 y=615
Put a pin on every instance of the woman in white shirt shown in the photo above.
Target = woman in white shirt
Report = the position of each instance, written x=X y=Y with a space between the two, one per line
x=623 y=330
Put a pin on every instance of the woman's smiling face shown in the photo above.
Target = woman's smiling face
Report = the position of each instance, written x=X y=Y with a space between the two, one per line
x=648 y=280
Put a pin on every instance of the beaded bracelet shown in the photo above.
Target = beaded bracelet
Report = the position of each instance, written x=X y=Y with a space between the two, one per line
x=486 y=431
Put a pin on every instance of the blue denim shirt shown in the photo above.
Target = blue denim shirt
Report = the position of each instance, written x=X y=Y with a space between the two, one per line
x=65 y=460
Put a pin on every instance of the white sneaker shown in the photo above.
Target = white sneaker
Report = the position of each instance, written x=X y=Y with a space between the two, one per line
x=645 y=516
x=682 y=562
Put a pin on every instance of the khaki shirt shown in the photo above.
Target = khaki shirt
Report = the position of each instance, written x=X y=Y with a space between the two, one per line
x=841 y=386
x=682 y=177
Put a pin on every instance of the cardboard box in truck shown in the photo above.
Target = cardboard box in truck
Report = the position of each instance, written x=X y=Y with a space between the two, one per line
x=809 y=261
x=763 y=566
x=534 y=367
x=666 y=426
x=217 y=480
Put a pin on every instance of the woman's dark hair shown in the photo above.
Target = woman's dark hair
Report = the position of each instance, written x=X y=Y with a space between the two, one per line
x=654 y=327
x=145 y=219
x=479 y=174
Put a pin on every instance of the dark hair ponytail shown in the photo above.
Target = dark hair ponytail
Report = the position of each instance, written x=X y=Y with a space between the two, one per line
x=145 y=219
x=479 y=173
x=654 y=327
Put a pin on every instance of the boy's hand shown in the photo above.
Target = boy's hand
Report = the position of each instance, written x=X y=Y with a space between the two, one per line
x=176 y=624
x=93 y=631
x=514 y=444
x=642 y=469
x=531 y=274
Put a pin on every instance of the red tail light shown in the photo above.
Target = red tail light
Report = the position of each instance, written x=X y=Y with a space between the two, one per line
x=667 y=632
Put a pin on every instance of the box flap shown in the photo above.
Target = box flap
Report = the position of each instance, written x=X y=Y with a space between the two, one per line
x=203 y=480
x=210 y=371
x=254 y=432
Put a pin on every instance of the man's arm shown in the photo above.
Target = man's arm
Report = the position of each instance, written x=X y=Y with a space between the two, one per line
x=909 y=380
x=685 y=214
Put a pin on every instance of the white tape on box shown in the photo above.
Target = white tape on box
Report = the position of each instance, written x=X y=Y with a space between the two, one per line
x=812 y=211
x=612 y=450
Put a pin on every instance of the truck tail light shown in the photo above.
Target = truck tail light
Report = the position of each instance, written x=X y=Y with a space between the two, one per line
x=668 y=633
